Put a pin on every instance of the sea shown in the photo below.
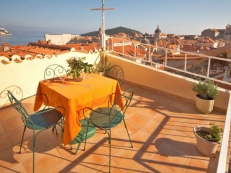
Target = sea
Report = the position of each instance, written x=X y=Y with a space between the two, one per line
x=22 y=38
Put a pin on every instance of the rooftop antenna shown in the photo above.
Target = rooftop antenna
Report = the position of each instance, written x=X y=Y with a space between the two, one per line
x=103 y=40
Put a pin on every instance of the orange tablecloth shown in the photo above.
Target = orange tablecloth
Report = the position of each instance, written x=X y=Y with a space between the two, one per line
x=76 y=96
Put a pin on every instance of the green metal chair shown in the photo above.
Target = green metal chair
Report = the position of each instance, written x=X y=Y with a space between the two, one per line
x=54 y=70
x=106 y=118
x=85 y=133
x=116 y=72
x=36 y=121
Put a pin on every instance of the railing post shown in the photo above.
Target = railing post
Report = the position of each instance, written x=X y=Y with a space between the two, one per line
x=165 y=57
x=123 y=47
x=208 y=67
x=149 y=56
x=185 y=62
x=135 y=51
x=112 y=44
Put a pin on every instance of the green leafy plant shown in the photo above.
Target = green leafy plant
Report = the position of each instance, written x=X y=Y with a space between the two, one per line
x=215 y=134
x=77 y=66
x=103 y=67
x=206 y=89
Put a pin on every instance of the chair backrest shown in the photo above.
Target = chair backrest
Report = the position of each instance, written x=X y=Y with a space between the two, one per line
x=116 y=72
x=17 y=105
x=54 y=70
x=16 y=90
x=123 y=101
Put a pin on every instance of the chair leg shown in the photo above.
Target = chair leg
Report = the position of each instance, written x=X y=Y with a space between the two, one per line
x=34 y=143
x=22 y=139
x=85 y=135
x=55 y=129
x=77 y=149
x=128 y=133
x=108 y=135
x=109 y=150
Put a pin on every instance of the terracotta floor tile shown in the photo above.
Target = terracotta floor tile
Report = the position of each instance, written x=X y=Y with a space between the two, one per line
x=17 y=168
x=153 y=166
x=144 y=142
x=7 y=113
x=42 y=145
x=160 y=126
x=65 y=167
x=90 y=160
x=8 y=160
x=114 y=168
x=132 y=129
x=45 y=161
x=131 y=160
x=16 y=135
x=138 y=120
x=2 y=130
x=4 y=142
x=173 y=158
x=12 y=123
x=149 y=111
x=197 y=166
x=179 y=104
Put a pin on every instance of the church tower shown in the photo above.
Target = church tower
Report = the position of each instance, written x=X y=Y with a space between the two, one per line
x=157 y=32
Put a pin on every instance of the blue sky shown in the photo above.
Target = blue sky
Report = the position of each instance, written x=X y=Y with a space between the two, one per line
x=75 y=16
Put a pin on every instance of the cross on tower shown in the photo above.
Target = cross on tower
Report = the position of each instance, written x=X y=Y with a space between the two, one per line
x=103 y=40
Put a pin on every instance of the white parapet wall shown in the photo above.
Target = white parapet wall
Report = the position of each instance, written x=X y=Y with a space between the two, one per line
x=27 y=73
x=163 y=81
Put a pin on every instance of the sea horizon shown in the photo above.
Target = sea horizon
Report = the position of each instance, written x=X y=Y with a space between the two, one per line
x=22 y=37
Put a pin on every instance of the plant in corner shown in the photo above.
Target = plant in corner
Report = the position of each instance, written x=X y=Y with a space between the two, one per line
x=206 y=93
x=208 y=138
x=77 y=66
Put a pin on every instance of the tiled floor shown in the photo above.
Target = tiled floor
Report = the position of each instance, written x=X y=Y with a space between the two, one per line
x=160 y=127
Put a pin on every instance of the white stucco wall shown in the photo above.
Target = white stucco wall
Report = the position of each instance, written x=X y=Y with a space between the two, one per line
x=27 y=73
x=58 y=39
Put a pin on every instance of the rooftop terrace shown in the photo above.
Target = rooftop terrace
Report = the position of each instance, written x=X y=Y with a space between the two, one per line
x=160 y=125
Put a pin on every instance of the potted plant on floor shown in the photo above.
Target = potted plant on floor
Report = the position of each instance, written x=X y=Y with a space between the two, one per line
x=101 y=69
x=206 y=93
x=208 y=138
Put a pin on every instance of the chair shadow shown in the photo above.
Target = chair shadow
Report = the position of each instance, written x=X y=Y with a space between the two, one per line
x=170 y=148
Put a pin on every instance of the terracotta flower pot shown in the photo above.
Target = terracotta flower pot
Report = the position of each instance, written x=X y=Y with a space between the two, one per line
x=204 y=106
x=205 y=147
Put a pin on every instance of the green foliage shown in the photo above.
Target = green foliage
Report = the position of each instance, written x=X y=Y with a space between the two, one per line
x=215 y=134
x=206 y=89
x=77 y=66
x=113 y=31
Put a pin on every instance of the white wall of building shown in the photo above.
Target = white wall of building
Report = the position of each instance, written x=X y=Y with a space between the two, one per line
x=59 y=39
x=213 y=45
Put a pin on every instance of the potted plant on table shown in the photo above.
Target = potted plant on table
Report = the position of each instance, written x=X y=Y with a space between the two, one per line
x=77 y=66
x=208 y=138
x=206 y=93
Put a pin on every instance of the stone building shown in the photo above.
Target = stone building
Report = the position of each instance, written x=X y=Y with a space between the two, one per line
x=218 y=33
x=227 y=35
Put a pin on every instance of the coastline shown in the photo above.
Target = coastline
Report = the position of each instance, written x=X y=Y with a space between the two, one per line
x=21 y=38
x=5 y=34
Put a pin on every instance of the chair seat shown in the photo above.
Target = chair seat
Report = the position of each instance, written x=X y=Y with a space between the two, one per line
x=43 y=120
x=90 y=132
x=100 y=116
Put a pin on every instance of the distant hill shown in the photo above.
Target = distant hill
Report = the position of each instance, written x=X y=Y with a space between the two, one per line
x=113 y=31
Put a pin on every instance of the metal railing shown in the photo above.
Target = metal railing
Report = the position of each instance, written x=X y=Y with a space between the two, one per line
x=221 y=167
x=148 y=60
